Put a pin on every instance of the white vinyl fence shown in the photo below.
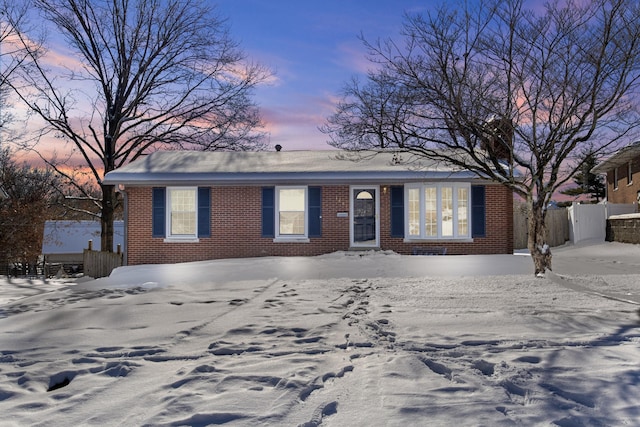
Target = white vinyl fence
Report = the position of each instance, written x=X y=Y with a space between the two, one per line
x=621 y=209
x=576 y=223
x=589 y=222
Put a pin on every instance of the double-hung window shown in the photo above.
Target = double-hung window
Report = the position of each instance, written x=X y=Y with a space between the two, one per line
x=182 y=209
x=291 y=213
x=181 y=214
x=438 y=211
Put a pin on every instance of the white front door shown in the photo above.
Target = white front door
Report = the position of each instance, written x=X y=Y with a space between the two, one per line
x=365 y=210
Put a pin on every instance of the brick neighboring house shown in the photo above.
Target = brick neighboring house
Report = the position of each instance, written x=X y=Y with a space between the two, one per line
x=623 y=187
x=623 y=174
x=190 y=206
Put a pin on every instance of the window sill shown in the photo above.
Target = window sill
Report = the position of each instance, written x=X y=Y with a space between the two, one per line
x=181 y=240
x=291 y=240
x=441 y=239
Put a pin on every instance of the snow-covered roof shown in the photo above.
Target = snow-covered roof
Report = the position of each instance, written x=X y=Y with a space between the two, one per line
x=621 y=157
x=70 y=237
x=192 y=168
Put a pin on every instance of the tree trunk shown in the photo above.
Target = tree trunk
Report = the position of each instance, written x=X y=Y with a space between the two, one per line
x=537 y=227
x=106 y=220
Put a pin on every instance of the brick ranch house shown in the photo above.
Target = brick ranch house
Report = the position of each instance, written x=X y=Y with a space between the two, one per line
x=185 y=206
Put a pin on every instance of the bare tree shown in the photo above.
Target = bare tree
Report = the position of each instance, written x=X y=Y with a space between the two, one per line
x=140 y=76
x=508 y=93
x=26 y=193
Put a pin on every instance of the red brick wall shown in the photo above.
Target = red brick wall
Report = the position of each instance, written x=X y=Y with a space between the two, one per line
x=625 y=193
x=236 y=228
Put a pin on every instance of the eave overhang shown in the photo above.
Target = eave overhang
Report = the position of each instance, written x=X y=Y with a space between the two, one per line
x=620 y=158
x=281 y=178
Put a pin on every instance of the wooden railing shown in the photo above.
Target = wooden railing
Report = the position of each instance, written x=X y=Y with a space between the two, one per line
x=100 y=264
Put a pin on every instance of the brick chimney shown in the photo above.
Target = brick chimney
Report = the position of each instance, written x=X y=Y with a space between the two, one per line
x=498 y=139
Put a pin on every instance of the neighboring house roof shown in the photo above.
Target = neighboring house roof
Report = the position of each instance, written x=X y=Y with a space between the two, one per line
x=66 y=237
x=619 y=158
x=193 y=168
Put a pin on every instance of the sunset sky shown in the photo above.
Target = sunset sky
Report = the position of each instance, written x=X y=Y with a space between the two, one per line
x=314 y=48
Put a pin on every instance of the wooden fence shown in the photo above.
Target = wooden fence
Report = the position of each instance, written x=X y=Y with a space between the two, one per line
x=100 y=264
x=557 y=227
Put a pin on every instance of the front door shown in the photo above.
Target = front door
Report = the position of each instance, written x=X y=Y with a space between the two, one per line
x=364 y=216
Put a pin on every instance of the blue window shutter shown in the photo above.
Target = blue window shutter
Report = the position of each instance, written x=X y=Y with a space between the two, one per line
x=397 y=211
x=158 y=202
x=204 y=212
x=268 y=212
x=315 y=211
x=478 y=211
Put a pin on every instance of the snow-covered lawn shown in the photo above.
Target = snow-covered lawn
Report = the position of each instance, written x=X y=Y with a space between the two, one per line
x=338 y=340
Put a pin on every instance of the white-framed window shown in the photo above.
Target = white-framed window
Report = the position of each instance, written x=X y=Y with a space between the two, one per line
x=291 y=212
x=615 y=178
x=182 y=212
x=438 y=211
x=629 y=173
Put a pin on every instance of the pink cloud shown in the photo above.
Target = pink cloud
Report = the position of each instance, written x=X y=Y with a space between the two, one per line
x=295 y=126
x=352 y=55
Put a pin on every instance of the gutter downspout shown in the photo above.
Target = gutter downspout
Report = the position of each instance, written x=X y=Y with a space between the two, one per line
x=125 y=208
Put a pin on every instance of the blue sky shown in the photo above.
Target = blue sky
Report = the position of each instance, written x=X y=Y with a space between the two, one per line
x=313 y=47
